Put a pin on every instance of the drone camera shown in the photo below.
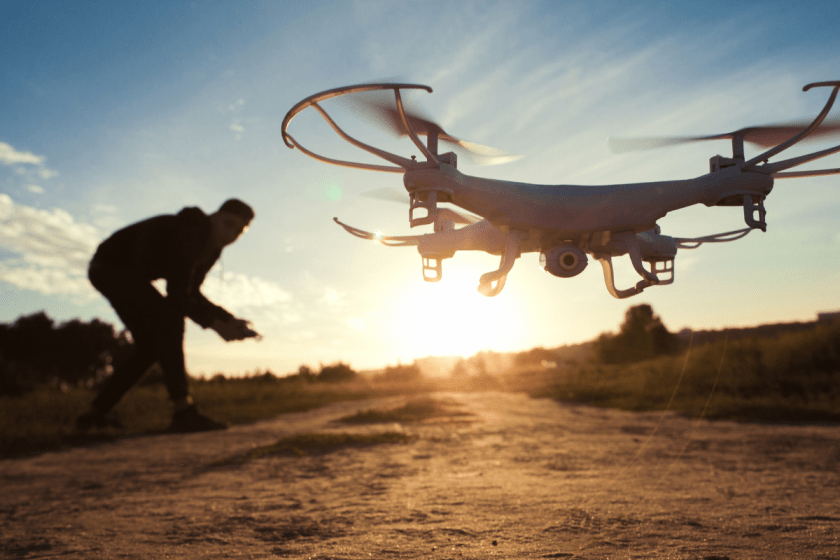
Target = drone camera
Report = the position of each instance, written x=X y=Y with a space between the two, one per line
x=564 y=261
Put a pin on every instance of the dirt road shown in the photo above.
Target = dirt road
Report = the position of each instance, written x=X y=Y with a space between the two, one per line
x=510 y=477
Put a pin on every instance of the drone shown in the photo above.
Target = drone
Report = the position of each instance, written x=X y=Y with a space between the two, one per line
x=563 y=223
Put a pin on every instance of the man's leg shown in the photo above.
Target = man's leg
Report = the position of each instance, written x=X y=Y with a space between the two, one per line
x=170 y=353
x=137 y=304
x=137 y=318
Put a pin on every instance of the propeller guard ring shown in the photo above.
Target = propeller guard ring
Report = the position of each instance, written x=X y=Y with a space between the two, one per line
x=402 y=164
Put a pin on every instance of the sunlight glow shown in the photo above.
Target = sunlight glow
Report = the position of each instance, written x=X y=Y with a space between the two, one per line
x=451 y=318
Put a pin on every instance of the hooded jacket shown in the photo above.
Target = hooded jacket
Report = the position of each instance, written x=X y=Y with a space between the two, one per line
x=177 y=248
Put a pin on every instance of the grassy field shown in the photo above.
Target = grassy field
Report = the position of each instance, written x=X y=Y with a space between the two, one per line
x=44 y=419
x=790 y=377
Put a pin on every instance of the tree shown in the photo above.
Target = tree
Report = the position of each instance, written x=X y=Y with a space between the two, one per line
x=336 y=373
x=642 y=336
x=34 y=351
x=401 y=373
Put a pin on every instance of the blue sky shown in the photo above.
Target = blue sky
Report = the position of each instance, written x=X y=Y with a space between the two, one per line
x=114 y=112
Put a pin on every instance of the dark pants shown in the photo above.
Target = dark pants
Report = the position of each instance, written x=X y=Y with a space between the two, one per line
x=157 y=331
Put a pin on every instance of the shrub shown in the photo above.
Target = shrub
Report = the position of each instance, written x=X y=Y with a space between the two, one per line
x=642 y=336
x=336 y=373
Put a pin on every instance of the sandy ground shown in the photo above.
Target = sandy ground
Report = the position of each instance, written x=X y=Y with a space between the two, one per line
x=519 y=478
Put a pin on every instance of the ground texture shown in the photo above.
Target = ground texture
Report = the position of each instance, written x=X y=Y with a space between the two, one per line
x=501 y=476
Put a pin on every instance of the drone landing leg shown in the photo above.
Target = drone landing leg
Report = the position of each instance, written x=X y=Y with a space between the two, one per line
x=609 y=279
x=649 y=278
x=631 y=243
x=749 y=213
x=432 y=269
x=485 y=283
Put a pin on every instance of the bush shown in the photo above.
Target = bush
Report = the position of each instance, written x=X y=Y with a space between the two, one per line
x=33 y=351
x=401 y=374
x=642 y=336
x=336 y=373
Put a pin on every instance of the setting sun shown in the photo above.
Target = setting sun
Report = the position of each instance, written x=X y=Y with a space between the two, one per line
x=450 y=318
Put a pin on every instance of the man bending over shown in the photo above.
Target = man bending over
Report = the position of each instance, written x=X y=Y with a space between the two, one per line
x=181 y=249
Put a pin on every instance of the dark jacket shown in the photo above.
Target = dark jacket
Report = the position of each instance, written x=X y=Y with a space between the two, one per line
x=176 y=248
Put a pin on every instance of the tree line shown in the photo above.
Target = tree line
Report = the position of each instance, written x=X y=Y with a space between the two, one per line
x=34 y=350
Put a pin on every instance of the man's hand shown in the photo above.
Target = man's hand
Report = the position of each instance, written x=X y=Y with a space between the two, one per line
x=234 y=329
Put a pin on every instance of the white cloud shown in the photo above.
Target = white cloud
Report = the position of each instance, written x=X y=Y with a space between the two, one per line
x=238 y=292
x=49 y=251
x=46 y=280
x=10 y=156
x=332 y=297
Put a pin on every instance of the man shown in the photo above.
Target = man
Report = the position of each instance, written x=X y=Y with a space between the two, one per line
x=181 y=249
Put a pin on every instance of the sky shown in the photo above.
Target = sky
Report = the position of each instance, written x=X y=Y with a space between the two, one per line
x=115 y=112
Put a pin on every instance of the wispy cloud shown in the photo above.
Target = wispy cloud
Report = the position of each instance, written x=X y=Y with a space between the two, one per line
x=241 y=294
x=48 y=250
x=10 y=156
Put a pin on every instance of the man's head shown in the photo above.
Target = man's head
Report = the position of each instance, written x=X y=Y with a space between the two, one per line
x=230 y=221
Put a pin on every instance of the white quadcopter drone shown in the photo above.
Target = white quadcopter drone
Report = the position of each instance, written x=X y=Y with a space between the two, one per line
x=564 y=223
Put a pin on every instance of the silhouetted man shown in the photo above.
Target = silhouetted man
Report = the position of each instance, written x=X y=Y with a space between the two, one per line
x=180 y=249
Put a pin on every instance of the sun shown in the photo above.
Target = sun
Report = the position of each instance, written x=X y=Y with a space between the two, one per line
x=450 y=317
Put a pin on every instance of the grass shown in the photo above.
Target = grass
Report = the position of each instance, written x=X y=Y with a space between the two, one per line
x=416 y=410
x=792 y=377
x=44 y=419
x=301 y=445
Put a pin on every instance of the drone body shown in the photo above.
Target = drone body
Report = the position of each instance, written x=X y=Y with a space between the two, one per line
x=563 y=223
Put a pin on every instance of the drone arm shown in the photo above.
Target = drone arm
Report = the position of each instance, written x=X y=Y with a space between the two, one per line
x=808 y=130
x=793 y=162
x=797 y=174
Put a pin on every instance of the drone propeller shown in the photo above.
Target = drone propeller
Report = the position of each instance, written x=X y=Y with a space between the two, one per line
x=380 y=109
x=393 y=195
x=763 y=136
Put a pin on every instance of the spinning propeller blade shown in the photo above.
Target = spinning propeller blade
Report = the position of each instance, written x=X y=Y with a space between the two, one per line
x=387 y=194
x=393 y=195
x=380 y=109
x=765 y=136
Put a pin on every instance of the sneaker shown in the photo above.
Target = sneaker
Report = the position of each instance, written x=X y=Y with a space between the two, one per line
x=190 y=420
x=90 y=420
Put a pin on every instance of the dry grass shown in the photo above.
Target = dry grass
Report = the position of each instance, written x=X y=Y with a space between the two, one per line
x=416 y=410
x=301 y=445
x=793 y=377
